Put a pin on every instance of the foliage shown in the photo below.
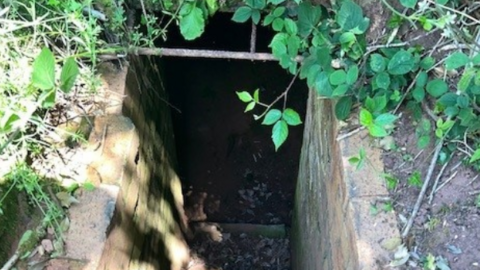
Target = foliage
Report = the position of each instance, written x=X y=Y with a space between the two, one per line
x=43 y=48
x=280 y=120
x=26 y=180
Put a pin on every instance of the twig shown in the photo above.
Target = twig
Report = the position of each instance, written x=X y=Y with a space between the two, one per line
x=143 y=9
x=447 y=181
x=424 y=189
x=350 y=133
x=455 y=11
x=284 y=94
x=473 y=180
x=430 y=199
x=253 y=38
x=475 y=192
x=11 y=262
x=104 y=135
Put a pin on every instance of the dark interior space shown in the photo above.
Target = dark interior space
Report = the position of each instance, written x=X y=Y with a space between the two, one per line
x=221 y=33
x=228 y=165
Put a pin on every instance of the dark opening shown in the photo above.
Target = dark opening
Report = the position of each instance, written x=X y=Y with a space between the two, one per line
x=228 y=165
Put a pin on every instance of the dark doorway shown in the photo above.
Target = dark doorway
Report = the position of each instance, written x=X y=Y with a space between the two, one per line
x=228 y=165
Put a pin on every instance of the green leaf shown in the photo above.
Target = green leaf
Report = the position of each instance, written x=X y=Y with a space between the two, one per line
x=290 y=26
x=476 y=59
x=466 y=79
x=69 y=74
x=250 y=106
x=377 y=131
x=350 y=17
x=256 y=95
x=401 y=63
x=408 y=3
x=366 y=118
x=192 y=24
x=268 y=19
x=88 y=186
x=322 y=85
x=347 y=38
x=212 y=6
x=272 y=117
x=338 y=77
x=451 y=111
x=476 y=80
x=385 y=119
x=475 y=156
x=449 y=99
x=456 y=60
x=377 y=62
x=293 y=45
x=275 y=2
x=43 y=74
x=415 y=179
x=427 y=62
x=421 y=79
x=343 y=108
x=308 y=18
x=242 y=14
x=341 y=90
x=277 y=24
x=279 y=11
x=418 y=94
x=279 y=133
x=423 y=141
x=244 y=96
x=256 y=16
x=382 y=80
x=352 y=75
x=8 y=121
x=437 y=87
x=47 y=98
x=256 y=4
x=463 y=101
x=291 y=117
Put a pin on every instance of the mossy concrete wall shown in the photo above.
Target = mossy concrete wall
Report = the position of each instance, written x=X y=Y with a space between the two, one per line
x=147 y=230
x=332 y=226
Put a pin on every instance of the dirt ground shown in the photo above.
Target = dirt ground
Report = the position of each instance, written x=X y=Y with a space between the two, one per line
x=449 y=226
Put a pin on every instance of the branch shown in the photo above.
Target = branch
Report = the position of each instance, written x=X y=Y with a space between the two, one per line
x=284 y=94
x=424 y=189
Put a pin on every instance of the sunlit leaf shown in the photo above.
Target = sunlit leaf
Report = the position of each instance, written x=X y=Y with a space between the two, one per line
x=68 y=75
x=291 y=117
x=43 y=74
x=279 y=133
x=272 y=117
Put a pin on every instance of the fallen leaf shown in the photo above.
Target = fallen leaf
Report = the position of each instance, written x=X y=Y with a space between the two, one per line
x=401 y=256
x=66 y=199
x=391 y=243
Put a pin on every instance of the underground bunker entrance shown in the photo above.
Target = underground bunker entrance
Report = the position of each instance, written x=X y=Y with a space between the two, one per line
x=230 y=171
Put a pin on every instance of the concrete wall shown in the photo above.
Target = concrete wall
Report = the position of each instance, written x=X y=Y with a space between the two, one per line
x=148 y=223
x=332 y=225
x=322 y=233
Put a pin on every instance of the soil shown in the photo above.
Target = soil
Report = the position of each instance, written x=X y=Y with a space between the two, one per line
x=228 y=164
x=449 y=226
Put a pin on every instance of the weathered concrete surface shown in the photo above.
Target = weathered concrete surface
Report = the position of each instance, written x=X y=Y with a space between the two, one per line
x=85 y=239
x=332 y=226
x=148 y=223
x=133 y=220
